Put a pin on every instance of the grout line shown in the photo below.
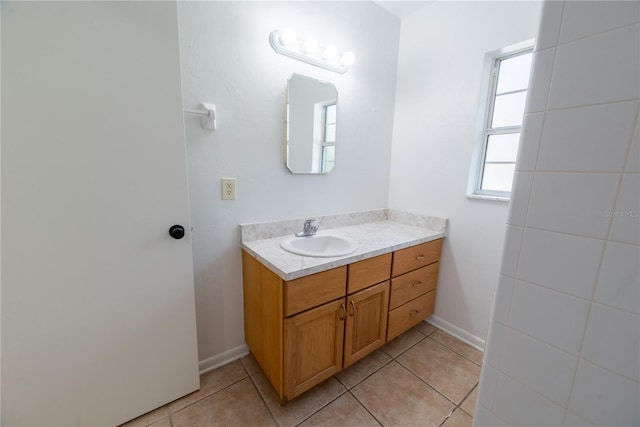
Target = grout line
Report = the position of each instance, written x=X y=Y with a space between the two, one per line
x=205 y=396
x=459 y=406
x=477 y=386
x=586 y=300
x=592 y=35
x=426 y=383
x=324 y=406
x=264 y=402
x=457 y=352
x=365 y=408
x=365 y=378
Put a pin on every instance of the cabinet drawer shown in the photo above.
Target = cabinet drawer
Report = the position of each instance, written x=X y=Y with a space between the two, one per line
x=310 y=291
x=414 y=257
x=410 y=314
x=368 y=272
x=408 y=286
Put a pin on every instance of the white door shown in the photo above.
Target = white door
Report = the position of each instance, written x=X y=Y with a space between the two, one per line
x=98 y=314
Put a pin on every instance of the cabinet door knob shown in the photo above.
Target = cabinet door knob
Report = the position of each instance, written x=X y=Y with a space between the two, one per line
x=419 y=257
x=417 y=283
x=353 y=309
x=414 y=313
x=343 y=312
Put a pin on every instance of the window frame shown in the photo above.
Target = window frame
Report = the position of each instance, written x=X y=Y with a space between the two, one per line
x=485 y=118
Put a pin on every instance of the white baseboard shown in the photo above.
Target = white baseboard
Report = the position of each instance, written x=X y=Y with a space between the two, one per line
x=221 y=359
x=461 y=334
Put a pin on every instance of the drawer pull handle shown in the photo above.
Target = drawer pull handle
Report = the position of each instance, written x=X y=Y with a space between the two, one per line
x=419 y=257
x=343 y=312
x=414 y=313
x=417 y=283
x=353 y=309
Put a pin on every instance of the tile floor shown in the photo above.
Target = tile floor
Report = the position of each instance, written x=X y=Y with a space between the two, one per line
x=424 y=377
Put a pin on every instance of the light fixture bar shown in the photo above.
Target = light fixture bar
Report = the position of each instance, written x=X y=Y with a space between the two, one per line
x=294 y=51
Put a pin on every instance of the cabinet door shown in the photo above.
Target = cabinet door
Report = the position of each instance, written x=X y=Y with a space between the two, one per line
x=313 y=346
x=366 y=326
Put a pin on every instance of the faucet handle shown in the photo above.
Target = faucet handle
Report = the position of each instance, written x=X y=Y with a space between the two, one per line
x=311 y=224
x=309 y=229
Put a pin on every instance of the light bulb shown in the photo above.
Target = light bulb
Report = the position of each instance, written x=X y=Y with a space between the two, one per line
x=348 y=58
x=288 y=36
x=310 y=45
x=330 y=52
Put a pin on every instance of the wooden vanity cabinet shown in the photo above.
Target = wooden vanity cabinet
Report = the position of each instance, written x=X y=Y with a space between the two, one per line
x=303 y=331
x=413 y=286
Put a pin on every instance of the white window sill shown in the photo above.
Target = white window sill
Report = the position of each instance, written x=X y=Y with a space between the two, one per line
x=483 y=197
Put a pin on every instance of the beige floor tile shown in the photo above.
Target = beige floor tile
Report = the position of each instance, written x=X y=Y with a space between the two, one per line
x=362 y=368
x=148 y=418
x=165 y=422
x=344 y=411
x=401 y=343
x=303 y=406
x=210 y=383
x=469 y=404
x=250 y=364
x=458 y=346
x=397 y=398
x=458 y=419
x=441 y=368
x=237 y=405
x=425 y=328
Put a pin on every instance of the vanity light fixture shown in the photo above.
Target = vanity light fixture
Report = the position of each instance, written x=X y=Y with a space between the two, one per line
x=286 y=42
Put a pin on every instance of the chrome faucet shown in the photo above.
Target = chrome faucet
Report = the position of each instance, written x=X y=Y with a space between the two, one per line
x=309 y=229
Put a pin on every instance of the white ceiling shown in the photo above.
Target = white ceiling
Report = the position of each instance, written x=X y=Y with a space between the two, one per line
x=402 y=8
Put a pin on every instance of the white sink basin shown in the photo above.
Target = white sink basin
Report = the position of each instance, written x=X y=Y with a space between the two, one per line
x=324 y=245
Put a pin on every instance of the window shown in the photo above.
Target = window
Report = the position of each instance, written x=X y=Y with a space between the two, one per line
x=329 y=138
x=497 y=148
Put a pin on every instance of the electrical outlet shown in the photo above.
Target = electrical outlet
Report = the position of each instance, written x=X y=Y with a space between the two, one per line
x=228 y=188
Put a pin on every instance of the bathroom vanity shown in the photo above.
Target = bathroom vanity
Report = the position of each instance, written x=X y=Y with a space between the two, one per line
x=308 y=318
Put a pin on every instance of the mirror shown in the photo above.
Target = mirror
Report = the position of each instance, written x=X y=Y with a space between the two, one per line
x=311 y=125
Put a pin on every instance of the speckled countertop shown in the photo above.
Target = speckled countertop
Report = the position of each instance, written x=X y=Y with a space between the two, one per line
x=388 y=232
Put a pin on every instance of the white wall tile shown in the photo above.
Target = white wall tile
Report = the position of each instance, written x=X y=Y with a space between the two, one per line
x=560 y=261
x=584 y=18
x=555 y=318
x=633 y=161
x=497 y=422
x=495 y=344
x=619 y=279
x=529 y=141
x=573 y=203
x=598 y=69
x=549 y=24
x=482 y=417
x=520 y=406
x=612 y=341
x=539 y=366
x=502 y=300
x=487 y=387
x=519 y=203
x=511 y=250
x=626 y=217
x=592 y=138
x=605 y=398
x=572 y=420
x=540 y=81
